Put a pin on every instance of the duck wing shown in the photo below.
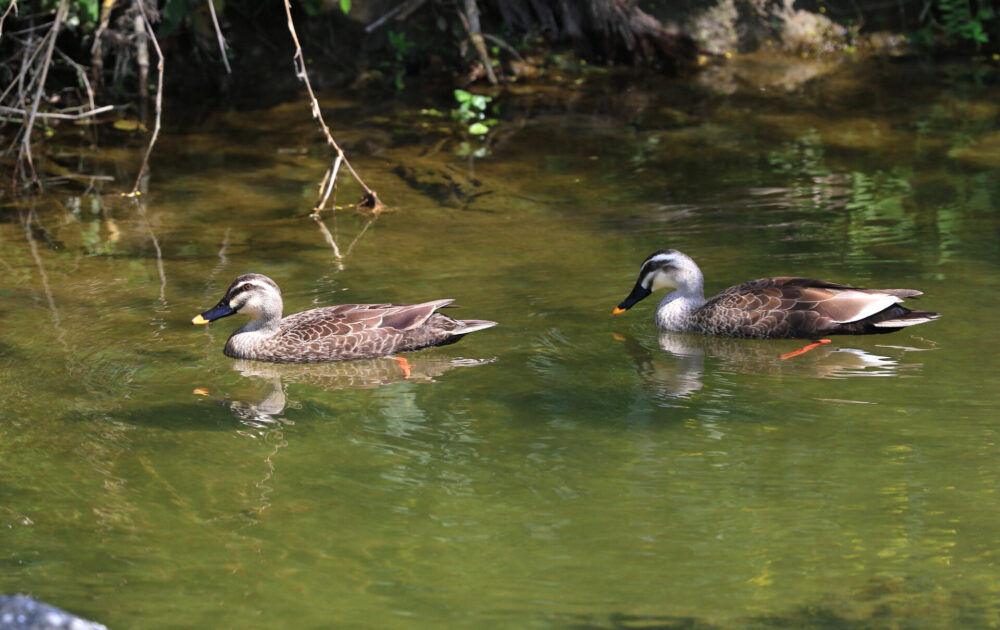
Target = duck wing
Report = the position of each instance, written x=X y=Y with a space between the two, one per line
x=803 y=307
x=352 y=319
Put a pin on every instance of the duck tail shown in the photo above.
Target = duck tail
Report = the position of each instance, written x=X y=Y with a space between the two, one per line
x=910 y=318
x=466 y=326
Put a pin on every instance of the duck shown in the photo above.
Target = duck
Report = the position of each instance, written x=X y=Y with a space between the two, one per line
x=767 y=308
x=330 y=333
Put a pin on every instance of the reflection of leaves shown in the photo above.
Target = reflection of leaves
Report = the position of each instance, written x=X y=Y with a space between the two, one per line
x=465 y=149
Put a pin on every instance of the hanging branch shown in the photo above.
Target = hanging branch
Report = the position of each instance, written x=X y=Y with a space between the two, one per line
x=10 y=7
x=470 y=22
x=400 y=12
x=24 y=156
x=96 y=52
x=218 y=36
x=370 y=200
x=159 y=99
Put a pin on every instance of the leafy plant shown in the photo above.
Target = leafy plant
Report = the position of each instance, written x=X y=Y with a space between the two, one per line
x=401 y=47
x=957 y=22
x=471 y=111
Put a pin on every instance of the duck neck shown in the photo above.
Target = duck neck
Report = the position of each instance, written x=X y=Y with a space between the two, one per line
x=261 y=327
x=264 y=326
x=246 y=342
x=676 y=308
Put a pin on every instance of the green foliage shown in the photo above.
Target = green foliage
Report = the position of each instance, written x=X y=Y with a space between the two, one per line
x=958 y=22
x=401 y=47
x=312 y=7
x=471 y=111
x=82 y=14
x=172 y=15
x=345 y=6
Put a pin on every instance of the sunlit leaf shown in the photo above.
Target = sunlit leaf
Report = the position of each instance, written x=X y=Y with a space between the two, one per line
x=128 y=125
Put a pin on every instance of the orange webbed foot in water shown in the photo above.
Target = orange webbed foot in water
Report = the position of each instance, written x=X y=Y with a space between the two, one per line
x=403 y=365
x=804 y=349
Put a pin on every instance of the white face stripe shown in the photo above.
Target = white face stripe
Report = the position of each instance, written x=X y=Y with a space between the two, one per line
x=240 y=299
x=662 y=280
x=656 y=278
x=661 y=258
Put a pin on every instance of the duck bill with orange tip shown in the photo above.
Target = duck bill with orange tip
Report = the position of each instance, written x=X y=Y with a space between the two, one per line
x=638 y=293
x=220 y=310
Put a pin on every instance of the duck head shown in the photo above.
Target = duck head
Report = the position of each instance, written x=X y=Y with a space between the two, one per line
x=665 y=269
x=252 y=294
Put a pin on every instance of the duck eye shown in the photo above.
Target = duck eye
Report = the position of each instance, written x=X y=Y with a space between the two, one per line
x=246 y=287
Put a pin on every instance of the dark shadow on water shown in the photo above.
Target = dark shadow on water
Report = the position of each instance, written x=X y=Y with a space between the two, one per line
x=882 y=602
x=194 y=416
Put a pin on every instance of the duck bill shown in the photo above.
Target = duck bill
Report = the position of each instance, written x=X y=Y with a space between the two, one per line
x=638 y=292
x=222 y=309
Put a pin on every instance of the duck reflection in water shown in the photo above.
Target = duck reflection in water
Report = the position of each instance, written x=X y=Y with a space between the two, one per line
x=681 y=371
x=270 y=380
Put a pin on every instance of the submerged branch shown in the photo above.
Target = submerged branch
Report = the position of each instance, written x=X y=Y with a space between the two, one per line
x=370 y=200
x=328 y=184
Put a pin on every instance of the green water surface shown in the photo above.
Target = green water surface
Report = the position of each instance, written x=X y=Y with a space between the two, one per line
x=567 y=468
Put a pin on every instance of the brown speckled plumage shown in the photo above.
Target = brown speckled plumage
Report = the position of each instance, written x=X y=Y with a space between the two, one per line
x=332 y=333
x=768 y=308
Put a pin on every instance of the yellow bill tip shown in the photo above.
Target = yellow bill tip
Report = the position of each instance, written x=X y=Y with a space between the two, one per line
x=198 y=319
x=618 y=311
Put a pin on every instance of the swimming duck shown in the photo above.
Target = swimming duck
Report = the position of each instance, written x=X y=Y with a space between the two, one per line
x=769 y=308
x=330 y=333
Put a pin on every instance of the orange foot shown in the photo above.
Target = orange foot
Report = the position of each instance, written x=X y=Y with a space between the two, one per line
x=803 y=350
x=403 y=365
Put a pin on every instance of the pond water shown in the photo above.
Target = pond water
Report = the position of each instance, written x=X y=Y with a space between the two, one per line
x=567 y=468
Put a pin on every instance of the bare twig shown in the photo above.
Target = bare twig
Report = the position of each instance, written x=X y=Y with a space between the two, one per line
x=470 y=21
x=96 y=52
x=159 y=99
x=10 y=7
x=25 y=153
x=329 y=183
x=20 y=112
x=370 y=199
x=141 y=58
x=502 y=44
x=400 y=11
x=80 y=73
x=218 y=35
x=26 y=63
